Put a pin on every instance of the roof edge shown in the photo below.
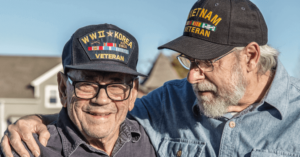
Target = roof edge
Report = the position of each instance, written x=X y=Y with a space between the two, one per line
x=36 y=83
x=46 y=75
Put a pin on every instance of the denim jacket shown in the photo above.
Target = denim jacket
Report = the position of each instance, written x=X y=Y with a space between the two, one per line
x=176 y=128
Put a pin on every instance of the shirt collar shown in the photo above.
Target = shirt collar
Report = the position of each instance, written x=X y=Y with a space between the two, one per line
x=134 y=129
x=196 y=109
x=277 y=95
x=72 y=138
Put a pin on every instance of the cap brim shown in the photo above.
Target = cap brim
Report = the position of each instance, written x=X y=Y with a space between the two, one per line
x=106 y=68
x=197 y=48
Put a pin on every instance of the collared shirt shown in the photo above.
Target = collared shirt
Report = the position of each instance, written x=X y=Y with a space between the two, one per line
x=66 y=140
x=270 y=129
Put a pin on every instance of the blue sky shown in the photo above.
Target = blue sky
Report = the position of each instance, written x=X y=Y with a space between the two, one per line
x=41 y=28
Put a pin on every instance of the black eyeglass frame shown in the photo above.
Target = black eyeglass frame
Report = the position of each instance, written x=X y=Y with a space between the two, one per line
x=210 y=61
x=73 y=83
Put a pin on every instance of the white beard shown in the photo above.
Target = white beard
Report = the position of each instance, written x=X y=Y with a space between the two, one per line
x=228 y=95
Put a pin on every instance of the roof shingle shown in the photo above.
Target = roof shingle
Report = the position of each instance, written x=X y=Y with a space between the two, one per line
x=16 y=73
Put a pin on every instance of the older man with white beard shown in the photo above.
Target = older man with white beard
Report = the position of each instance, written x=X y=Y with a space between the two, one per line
x=216 y=105
x=237 y=100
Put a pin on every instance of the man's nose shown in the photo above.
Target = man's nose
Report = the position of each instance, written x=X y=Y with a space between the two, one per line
x=102 y=98
x=195 y=75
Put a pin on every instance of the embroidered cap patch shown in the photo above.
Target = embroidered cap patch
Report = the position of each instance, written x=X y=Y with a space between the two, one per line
x=107 y=45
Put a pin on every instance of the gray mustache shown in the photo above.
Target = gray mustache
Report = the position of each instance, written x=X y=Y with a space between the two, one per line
x=205 y=86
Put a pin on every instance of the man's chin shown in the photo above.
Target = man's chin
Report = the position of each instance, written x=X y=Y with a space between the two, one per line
x=212 y=113
x=210 y=108
x=96 y=133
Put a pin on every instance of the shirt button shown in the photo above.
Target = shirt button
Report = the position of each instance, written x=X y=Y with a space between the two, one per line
x=232 y=124
x=179 y=153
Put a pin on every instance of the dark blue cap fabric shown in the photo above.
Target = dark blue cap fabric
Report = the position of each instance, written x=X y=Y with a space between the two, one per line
x=214 y=27
x=103 y=47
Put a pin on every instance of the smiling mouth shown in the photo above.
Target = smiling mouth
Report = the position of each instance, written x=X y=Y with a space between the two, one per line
x=99 y=114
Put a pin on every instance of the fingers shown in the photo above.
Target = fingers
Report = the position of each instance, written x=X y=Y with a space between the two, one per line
x=31 y=143
x=25 y=130
x=15 y=141
x=21 y=130
x=5 y=147
x=43 y=133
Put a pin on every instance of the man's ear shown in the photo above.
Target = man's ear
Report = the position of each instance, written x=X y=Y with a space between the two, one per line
x=62 y=85
x=133 y=94
x=252 y=52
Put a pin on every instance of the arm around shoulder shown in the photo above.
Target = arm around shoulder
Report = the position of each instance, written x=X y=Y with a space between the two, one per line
x=23 y=129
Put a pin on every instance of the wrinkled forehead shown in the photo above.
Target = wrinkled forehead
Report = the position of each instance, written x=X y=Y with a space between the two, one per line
x=87 y=75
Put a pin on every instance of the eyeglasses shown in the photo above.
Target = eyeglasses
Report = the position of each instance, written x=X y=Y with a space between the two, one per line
x=89 y=90
x=205 y=65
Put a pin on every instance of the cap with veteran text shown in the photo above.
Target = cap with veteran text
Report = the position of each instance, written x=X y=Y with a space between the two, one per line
x=103 y=47
x=215 y=27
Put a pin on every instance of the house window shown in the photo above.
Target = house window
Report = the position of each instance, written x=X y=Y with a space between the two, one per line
x=52 y=97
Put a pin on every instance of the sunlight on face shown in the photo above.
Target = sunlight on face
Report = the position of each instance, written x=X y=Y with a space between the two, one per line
x=214 y=101
x=99 y=117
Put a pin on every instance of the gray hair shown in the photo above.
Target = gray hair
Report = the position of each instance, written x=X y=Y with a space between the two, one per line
x=268 y=59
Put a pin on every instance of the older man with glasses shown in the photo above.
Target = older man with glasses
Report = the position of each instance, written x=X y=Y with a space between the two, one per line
x=96 y=94
x=237 y=100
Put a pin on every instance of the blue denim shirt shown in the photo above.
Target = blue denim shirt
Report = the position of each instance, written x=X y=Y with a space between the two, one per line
x=176 y=128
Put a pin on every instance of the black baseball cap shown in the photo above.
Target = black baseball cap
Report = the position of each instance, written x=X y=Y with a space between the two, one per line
x=215 y=27
x=103 y=47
